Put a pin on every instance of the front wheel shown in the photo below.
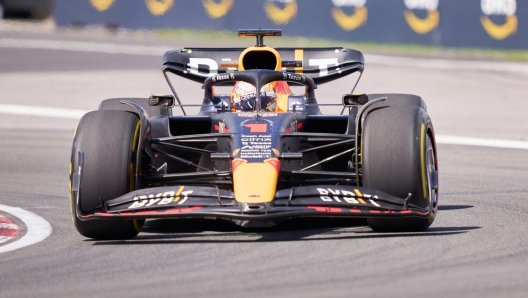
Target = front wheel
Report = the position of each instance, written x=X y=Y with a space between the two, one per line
x=109 y=142
x=399 y=157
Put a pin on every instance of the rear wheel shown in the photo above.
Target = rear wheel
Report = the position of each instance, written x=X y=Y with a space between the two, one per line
x=399 y=157
x=109 y=142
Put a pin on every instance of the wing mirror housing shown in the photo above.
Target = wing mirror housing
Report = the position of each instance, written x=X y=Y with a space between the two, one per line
x=355 y=99
x=161 y=100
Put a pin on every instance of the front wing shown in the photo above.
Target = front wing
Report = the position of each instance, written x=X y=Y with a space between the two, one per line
x=211 y=202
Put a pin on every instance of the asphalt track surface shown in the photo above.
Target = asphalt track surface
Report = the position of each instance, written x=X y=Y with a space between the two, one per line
x=477 y=247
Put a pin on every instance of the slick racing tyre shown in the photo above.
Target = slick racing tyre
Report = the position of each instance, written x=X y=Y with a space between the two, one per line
x=115 y=104
x=399 y=157
x=396 y=99
x=109 y=142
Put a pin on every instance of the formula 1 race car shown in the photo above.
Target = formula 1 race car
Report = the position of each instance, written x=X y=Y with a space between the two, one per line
x=277 y=158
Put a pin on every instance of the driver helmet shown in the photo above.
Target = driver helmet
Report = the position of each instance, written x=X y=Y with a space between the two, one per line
x=244 y=96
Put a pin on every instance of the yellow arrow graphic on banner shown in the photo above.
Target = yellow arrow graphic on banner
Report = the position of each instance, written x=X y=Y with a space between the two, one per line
x=500 y=32
x=159 y=7
x=217 y=10
x=349 y=23
x=422 y=26
x=101 y=5
x=280 y=16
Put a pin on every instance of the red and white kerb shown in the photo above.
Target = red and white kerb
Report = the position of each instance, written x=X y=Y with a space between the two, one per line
x=8 y=229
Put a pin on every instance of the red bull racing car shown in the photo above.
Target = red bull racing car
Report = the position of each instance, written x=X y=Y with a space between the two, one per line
x=258 y=155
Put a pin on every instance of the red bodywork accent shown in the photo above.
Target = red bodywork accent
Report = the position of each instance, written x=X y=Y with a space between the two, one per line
x=103 y=214
x=168 y=211
x=325 y=209
x=151 y=212
x=273 y=162
x=299 y=126
x=282 y=87
x=257 y=127
x=217 y=128
x=236 y=162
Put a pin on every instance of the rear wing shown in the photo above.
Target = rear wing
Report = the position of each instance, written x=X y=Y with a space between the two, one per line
x=321 y=64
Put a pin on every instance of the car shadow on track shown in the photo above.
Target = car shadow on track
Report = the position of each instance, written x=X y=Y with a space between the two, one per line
x=166 y=231
x=454 y=207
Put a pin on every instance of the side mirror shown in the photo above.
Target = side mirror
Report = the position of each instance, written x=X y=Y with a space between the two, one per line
x=355 y=99
x=161 y=100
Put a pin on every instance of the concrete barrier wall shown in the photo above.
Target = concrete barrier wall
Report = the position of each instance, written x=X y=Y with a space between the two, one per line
x=456 y=23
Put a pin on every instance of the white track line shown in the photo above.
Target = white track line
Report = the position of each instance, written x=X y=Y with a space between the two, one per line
x=38 y=228
x=5 y=239
x=448 y=64
x=130 y=49
x=495 y=143
x=77 y=114
x=41 y=111
x=83 y=46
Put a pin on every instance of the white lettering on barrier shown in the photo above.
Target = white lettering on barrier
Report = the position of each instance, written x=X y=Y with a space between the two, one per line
x=349 y=3
x=422 y=4
x=498 y=7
